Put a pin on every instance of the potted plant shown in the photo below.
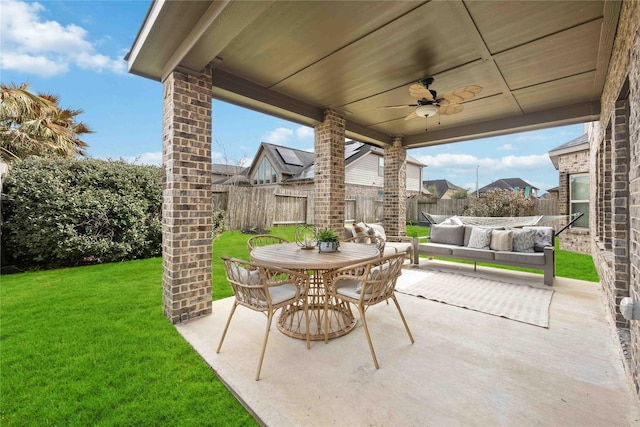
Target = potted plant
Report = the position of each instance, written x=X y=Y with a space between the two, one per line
x=328 y=240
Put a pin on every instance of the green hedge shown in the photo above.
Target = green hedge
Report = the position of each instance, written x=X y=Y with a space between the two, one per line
x=66 y=212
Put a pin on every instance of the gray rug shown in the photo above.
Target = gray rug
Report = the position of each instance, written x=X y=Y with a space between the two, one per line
x=518 y=302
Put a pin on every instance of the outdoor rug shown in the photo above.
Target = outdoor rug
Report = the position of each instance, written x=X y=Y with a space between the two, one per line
x=518 y=302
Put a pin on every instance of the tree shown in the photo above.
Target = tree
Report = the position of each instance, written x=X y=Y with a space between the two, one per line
x=460 y=194
x=501 y=203
x=433 y=190
x=35 y=125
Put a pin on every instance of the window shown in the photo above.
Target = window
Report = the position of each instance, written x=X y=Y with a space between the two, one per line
x=265 y=173
x=579 y=198
x=380 y=166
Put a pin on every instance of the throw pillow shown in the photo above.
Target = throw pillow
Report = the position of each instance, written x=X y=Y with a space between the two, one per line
x=544 y=237
x=378 y=230
x=524 y=240
x=480 y=238
x=360 y=230
x=501 y=240
x=447 y=234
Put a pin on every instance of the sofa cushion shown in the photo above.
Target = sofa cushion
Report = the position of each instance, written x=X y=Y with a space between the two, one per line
x=544 y=237
x=399 y=246
x=523 y=240
x=447 y=234
x=478 y=254
x=435 y=249
x=501 y=240
x=377 y=230
x=520 y=257
x=480 y=238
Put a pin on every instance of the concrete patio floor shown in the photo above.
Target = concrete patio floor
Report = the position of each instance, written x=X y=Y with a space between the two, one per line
x=465 y=367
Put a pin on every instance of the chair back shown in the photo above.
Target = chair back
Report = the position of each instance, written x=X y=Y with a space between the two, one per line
x=377 y=279
x=380 y=277
x=261 y=287
x=264 y=240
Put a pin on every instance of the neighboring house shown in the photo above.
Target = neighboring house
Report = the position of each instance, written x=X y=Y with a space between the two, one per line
x=275 y=165
x=571 y=159
x=553 y=193
x=444 y=188
x=513 y=184
x=227 y=174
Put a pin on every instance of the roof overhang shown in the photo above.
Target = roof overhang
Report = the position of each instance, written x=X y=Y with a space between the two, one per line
x=540 y=64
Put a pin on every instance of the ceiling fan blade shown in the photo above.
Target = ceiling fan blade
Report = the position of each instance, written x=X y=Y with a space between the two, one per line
x=447 y=110
x=392 y=107
x=412 y=115
x=418 y=91
x=461 y=94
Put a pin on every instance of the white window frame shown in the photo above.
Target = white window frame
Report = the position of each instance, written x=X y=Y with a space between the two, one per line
x=572 y=201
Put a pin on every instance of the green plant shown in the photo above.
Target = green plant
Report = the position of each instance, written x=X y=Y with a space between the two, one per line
x=89 y=346
x=327 y=235
x=65 y=212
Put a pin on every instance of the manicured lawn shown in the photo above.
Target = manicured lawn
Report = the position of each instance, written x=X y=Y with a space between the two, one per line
x=90 y=346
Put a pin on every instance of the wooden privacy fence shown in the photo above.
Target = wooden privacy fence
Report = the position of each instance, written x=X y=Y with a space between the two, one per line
x=249 y=207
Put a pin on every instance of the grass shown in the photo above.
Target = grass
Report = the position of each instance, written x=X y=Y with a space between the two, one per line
x=90 y=346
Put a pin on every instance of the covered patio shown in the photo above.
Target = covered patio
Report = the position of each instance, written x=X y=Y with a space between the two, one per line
x=465 y=367
x=333 y=65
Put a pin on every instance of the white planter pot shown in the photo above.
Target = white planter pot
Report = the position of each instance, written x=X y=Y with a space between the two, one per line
x=328 y=246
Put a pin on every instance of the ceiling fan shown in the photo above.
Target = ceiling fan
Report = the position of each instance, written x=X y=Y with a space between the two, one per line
x=429 y=103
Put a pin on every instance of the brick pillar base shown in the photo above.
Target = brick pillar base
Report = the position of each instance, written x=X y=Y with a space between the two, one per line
x=395 y=189
x=186 y=207
x=329 y=172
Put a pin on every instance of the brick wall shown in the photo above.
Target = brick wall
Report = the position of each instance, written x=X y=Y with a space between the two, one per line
x=329 y=172
x=186 y=207
x=615 y=180
x=395 y=189
x=573 y=239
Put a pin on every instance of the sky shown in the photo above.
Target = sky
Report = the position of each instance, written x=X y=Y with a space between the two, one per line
x=76 y=50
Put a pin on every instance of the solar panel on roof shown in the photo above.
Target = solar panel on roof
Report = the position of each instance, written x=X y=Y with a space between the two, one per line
x=289 y=156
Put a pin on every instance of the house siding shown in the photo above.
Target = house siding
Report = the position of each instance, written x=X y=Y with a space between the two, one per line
x=364 y=171
x=615 y=183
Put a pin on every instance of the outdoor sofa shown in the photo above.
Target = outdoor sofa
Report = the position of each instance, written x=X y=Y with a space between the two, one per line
x=393 y=244
x=527 y=247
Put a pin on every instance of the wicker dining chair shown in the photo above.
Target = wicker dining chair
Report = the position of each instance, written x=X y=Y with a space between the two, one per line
x=368 y=240
x=265 y=289
x=366 y=284
x=264 y=240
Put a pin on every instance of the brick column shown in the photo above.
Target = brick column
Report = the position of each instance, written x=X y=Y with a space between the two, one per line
x=186 y=196
x=620 y=206
x=329 y=172
x=395 y=189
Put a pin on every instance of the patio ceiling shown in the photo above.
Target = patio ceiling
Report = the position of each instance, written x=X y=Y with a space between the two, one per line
x=540 y=64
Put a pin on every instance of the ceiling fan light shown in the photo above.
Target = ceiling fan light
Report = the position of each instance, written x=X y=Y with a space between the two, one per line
x=426 y=110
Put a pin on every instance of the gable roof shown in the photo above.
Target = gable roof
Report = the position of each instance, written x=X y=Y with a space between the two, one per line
x=506 y=184
x=227 y=170
x=441 y=185
x=298 y=165
x=580 y=143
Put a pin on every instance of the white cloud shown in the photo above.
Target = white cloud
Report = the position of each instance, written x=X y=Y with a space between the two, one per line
x=467 y=162
x=506 y=147
x=279 y=136
x=46 y=48
x=304 y=132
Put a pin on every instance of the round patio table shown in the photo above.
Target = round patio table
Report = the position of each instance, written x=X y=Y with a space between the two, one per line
x=289 y=255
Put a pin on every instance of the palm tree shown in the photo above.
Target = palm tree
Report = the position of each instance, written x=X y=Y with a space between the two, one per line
x=35 y=125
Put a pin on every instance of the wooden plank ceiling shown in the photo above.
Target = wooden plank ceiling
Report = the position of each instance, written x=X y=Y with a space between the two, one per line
x=539 y=64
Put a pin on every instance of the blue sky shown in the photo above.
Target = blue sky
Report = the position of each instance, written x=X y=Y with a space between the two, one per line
x=75 y=49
